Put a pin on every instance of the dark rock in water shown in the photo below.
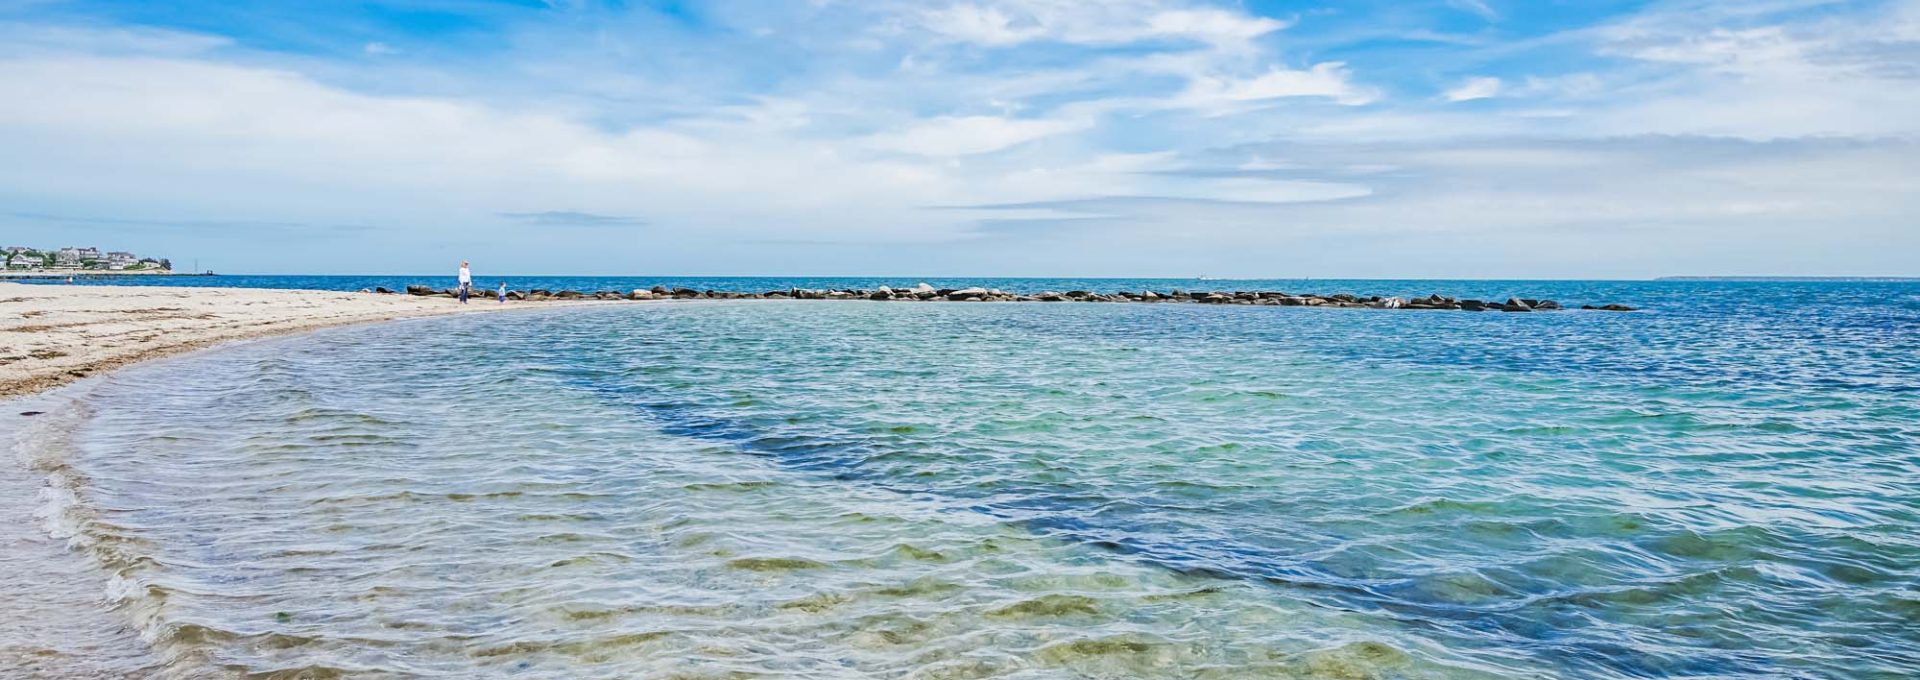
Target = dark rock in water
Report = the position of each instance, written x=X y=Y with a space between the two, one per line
x=1610 y=308
x=1343 y=297
x=661 y=290
x=1215 y=299
x=568 y=295
x=1473 y=305
x=1547 y=304
x=417 y=289
x=539 y=291
x=1078 y=294
x=1516 y=305
x=383 y=290
x=685 y=293
x=880 y=295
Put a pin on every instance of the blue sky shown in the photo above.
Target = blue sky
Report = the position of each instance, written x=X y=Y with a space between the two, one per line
x=1448 y=138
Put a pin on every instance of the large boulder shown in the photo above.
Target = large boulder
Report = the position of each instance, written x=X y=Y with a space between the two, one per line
x=965 y=293
x=1610 y=308
x=1516 y=305
x=417 y=289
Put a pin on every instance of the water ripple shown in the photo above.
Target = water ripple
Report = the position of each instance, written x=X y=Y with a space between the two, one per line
x=849 y=489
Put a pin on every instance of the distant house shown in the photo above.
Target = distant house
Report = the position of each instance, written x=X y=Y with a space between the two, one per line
x=24 y=259
x=120 y=259
x=67 y=258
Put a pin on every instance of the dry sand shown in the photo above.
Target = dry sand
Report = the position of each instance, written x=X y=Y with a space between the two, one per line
x=51 y=335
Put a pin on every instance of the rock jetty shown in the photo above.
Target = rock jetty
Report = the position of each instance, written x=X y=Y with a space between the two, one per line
x=926 y=293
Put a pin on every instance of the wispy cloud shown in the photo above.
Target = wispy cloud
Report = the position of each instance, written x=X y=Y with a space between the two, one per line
x=735 y=128
x=1475 y=88
x=571 y=218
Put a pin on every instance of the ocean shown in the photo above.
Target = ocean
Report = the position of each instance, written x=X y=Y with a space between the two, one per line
x=1725 y=484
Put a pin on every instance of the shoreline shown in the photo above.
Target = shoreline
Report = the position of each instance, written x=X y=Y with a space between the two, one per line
x=54 y=335
x=51 y=336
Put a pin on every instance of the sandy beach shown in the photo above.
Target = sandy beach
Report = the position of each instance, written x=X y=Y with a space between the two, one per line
x=52 y=335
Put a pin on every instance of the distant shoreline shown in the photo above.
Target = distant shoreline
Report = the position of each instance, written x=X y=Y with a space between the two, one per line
x=90 y=273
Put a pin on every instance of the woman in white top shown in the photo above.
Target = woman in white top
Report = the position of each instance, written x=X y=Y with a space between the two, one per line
x=466 y=281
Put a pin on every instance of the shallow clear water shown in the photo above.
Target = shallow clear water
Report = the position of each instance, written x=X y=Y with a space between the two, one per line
x=1726 y=485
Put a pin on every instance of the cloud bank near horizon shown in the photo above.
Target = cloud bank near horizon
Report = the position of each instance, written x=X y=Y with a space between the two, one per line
x=975 y=137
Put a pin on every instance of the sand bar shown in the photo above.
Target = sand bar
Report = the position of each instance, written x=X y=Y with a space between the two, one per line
x=51 y=335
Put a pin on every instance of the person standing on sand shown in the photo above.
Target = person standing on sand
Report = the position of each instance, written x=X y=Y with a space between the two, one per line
x=503 y=292
x=466 y=281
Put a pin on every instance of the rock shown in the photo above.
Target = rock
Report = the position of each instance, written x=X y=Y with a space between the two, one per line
x=1516 y=305
x=661 y=290
x=923 y=288
x=1391 y=303
x=685 y=293
x=366 y=290
x=1215 y=299
x=965 y=293
x=567 y=295
x=516 y=295
x=1547 y=304
x=419 y=290
x=1050 y=296
x=1611 y=308
x=1150 y=295
x=1473 y=305
x=640 y=294
x=882 y=294
x=383 y=290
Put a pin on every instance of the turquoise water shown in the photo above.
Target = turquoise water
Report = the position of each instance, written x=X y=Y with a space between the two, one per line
x=1724 y=486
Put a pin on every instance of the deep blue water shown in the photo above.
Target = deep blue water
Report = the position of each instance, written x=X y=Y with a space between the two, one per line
x=1724 y=485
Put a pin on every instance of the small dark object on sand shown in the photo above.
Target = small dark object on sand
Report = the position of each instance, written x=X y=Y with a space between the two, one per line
x=31 y=413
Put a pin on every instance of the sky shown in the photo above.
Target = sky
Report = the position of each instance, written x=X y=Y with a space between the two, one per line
x=1179 y=138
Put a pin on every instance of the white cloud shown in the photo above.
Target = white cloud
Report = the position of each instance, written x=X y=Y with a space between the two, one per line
x=967 y=135
x=1475 y=88
x=1012 y=22
x=1329 y=80
x=379 y=49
